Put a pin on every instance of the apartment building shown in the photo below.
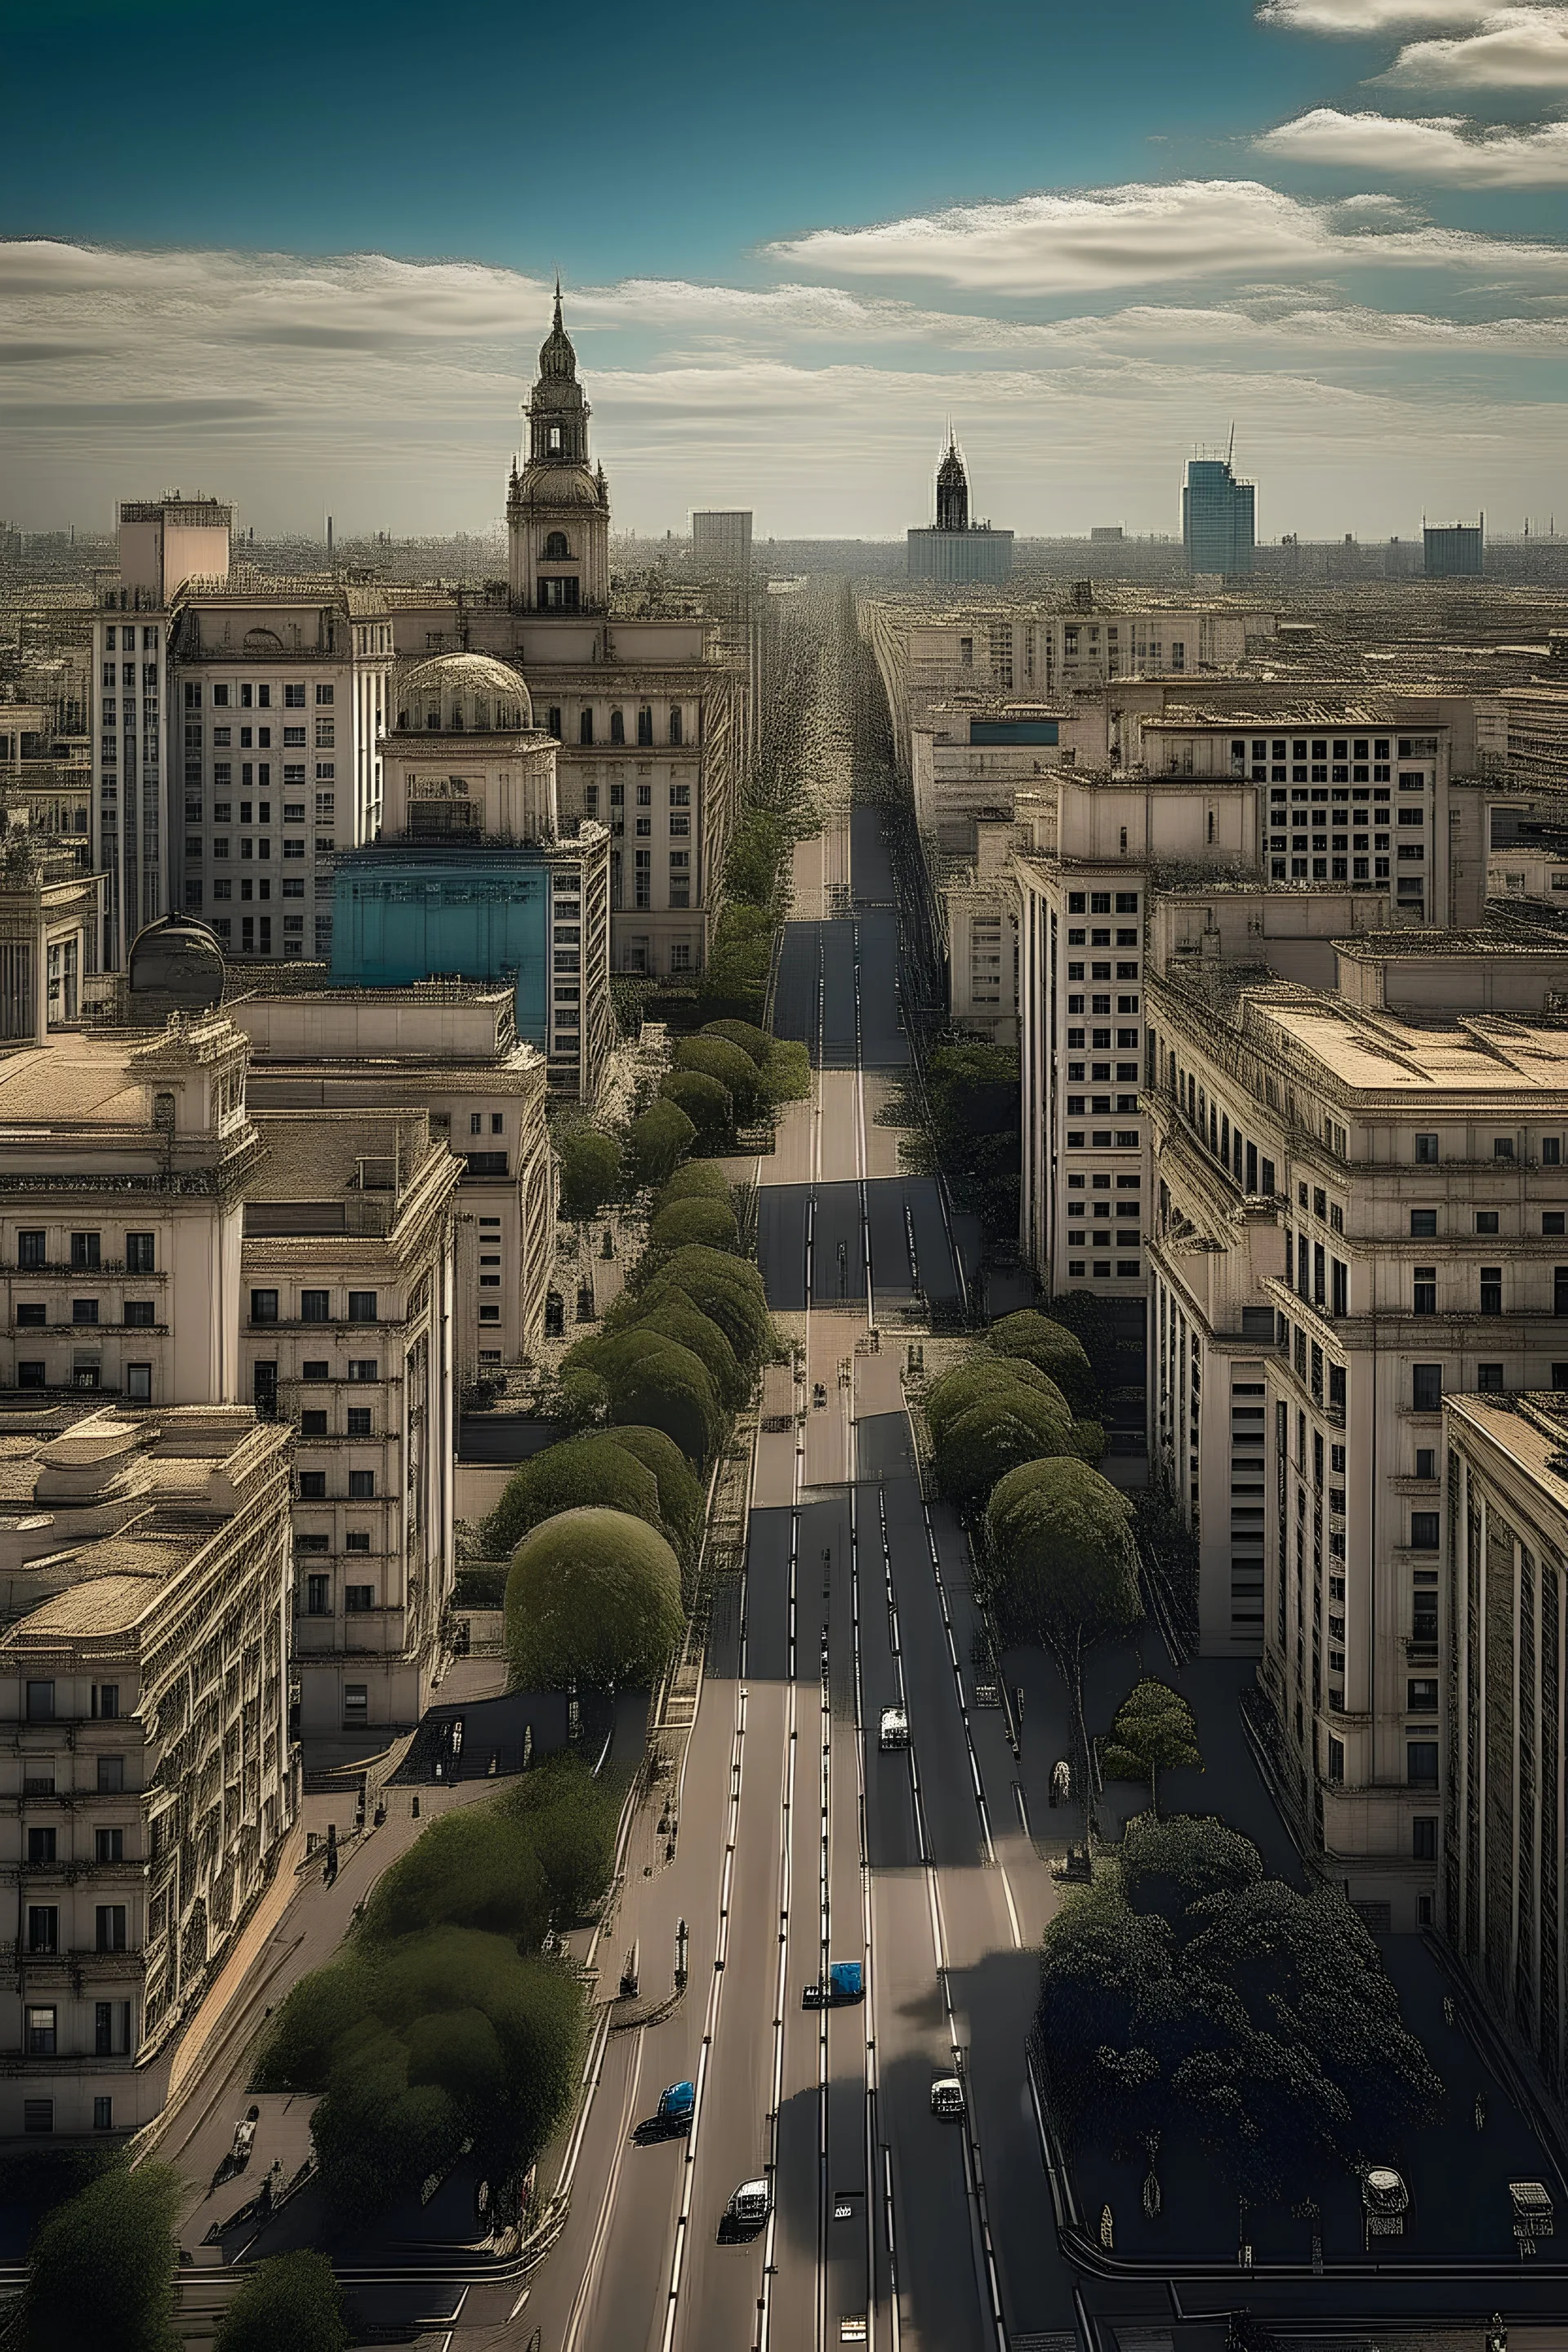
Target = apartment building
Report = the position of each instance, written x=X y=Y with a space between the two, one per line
x=1506 y=1509
x=450 y=1048
x=279 y=688
x=147 y=1781
x=1357 y=1195
x=123 y=1160
x=49 y=903
x=348 y=1331
x=971 y=762
x=163 y=544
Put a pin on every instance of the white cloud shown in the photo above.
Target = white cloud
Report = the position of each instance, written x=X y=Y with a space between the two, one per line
x=1514 y=49
x=1103 y=237
x=1437 y=147
x=1369 y=16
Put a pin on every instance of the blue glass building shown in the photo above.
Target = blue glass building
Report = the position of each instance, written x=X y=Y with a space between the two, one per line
x=1218 y=518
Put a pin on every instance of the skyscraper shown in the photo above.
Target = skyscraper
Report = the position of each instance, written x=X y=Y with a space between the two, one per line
x=957 y=549
x=1218 y=518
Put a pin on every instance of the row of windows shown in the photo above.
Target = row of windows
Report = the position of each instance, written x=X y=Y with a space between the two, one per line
x=1489 y=1290
x=315 y=1306
x=260 y=739
x=1427 y=1152
x=140 y=1314
x=313 y=1486
x=127 y=634
x=33 y=1372
x=86 y=1252
x=246 y=696
x=1424 y=1222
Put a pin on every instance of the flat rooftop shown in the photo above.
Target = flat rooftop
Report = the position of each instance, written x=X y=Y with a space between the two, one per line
x=1475 y=1054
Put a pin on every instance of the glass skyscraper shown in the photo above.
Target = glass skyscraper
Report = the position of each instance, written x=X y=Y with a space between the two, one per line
x=1218 y=518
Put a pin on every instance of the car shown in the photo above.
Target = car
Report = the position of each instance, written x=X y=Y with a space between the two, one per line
x=750 y=2206
x=893 y=1728
x=947 y=2097
x=845 y=1983
x=675 y=2109
x=1385 y=2202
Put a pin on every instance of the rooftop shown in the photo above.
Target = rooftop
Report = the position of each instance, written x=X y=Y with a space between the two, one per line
x=1532 y=1429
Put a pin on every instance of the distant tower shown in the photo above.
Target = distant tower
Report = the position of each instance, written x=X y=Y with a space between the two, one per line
x=951 y=489
x=558 y=509
x=1219 y=518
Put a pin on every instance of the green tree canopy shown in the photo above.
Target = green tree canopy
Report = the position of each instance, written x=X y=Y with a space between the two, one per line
x=291 y=2303
x=730 y=1066
x=753 y=867
x=475 y=1867
x=709 y=1222
x=728 y=1289
x=1154 y=1732
x=590 y=1171
x=673 y=1317
x=593 y=1598
x=681 y=1501
x=657 y=1141
x=983 y=1376
x=101 y=2272
x=700 y=1180
x=1067 y=1565
x=744 y=1033
x=570 y=1818
x=787 y=1076
x=1167 y=1866
x=656 y=1382
x=708 y=1104
x=995 y=1436
x=597 y=1468
x=1056 y=1351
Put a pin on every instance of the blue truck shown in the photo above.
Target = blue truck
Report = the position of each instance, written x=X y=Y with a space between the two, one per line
x=676 y=2105
x=845 y=1984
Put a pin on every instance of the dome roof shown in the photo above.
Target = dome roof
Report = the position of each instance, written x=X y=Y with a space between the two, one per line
x=463 y=694
x=543 y=485
x=178 y=960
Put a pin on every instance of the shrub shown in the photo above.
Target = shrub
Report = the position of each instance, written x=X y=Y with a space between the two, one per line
x=291 y=2303
x=656 y=1381
x=680 y=1497
x=318 y=2011
x=744 y=1033
x=580 y=1470
x=1053 y=1349
x=101 y=2273
x=728 y=1289
x=787 y=1075
x=716 y=1057
x=570 y=1818
x=594 y=1598
x=657 y=1141
x=700 y=1180
x=980 y=1445
x=675 y=1317
x=590 y=1171
x=708 y=1223
x=708 y=1104
x=472 y=1868
x=985 y=1377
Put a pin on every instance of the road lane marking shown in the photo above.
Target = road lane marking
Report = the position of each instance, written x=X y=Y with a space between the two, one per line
x=591 y=2267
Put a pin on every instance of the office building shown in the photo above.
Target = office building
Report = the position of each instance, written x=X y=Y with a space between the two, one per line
x=1219 y=520
x=721 y=542
x=1506 y=1513
x=1355 y=1195
x=957 y=549
x=1455 y=551
x=148 y=1783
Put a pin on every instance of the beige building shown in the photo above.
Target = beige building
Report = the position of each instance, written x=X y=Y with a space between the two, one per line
x=1505 y=1738
x=1355 y=1201
x=348 y=1331
x=452 y=1049
x=147 y=1781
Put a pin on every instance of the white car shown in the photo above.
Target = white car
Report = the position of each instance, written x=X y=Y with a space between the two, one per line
x=947 y=2097
x=750 y=2206
x=893 y=1730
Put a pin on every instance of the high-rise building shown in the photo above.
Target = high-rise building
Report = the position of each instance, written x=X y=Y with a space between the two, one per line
x=721 y=542
x=1455 y=551
x=1218 y=518
x=958 y=548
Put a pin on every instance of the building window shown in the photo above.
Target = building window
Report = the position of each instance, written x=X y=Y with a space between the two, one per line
x=43 y=1928
x=364 y=1368
x=141 y=1253
x=317 y=1596
x=111 y=1926
x=361 y=1485
x=675 y=723
x=85 y=1256
x=1491 y=1290
x=1425 y=1290
x=41 y=2033
x=106 y=1702
x=1425 y=1530
x=313 y=1486
x=40 y=1702
x=360 y=1421
x=1423 y=1224
x=356 y=1705
x=1424 y=1837
x=617 y=726
x=139 y=1384
x=110 y=1775
x=645 y=726
x=37 y=2115
x=585 y=727
x=1427 y=1388
x=313 y=1304
x=1421 y=1763
x=362 y=1306
x=108 y=1845
x=103 y=2115
x=264 y=1306
x=30 y=1252
x=1427 y=1150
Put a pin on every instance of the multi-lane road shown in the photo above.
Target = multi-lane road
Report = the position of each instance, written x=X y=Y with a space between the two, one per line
x=800 y=1840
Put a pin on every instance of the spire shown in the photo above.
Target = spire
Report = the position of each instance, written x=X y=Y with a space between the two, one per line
x=559 y=329
x=952 y=488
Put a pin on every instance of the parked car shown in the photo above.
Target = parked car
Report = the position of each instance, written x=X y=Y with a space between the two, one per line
x=845 y=1983
x=893 y=1730
x=947 y=2097
x=1385 y=2202
x=750 y=2206
x=676 y=2106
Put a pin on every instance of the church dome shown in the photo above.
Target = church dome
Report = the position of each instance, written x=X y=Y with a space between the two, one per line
x=177 y=961
x=463 y=694
x=544 y=485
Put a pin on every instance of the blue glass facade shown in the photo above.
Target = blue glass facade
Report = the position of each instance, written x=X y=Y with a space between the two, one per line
x=1218 y=518
x=399 y=916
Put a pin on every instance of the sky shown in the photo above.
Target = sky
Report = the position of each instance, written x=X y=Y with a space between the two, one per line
x=303 y=260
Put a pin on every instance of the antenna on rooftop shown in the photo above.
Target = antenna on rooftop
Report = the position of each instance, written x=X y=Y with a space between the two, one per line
x=1230 y=450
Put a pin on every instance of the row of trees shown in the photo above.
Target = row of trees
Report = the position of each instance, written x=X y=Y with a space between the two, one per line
x=440 y=2024
x=102 y=2272
x=721 y=1079
x=975 y=1121
x=1185 y=1994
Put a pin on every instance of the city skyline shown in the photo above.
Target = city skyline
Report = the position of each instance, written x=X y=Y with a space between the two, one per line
x=1340 y=224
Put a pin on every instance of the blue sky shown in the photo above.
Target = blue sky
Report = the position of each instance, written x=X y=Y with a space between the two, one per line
x=303 y=260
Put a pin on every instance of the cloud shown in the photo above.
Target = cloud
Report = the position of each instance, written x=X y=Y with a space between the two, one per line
x=1104 y=238
x=1369 y=16
x=1437 y=147
x=1514 y=49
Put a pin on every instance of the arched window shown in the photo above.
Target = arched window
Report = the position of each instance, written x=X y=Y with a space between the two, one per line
x=555 y=548
x=617 y=726
x=555 y=436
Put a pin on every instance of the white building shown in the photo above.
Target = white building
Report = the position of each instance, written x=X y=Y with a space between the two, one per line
x=1356 y=1197
x=147 y=1780
x=1505 y=1737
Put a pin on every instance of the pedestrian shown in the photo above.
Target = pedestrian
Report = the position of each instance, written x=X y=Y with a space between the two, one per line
x=1061 y=1781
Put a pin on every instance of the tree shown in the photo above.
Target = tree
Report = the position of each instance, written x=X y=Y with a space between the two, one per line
x=680 y=1497
x=593 y=1598
x=673 y=1317
x=571 y=1817
x=751 y=869
x=700 y=1180
x=290 y=2301
x=319 y=2012
x=657 y=1141
x=707 y=1102
x=590 y=1172
x=597 y=1468
x=472 y=1868
x=709 y=1222
x=995 y=1434
x=1051 y=1347
x=1066 y=1566
x=787 y=1075
x=982 y=1377
x=1154 y=1732
x=744 y=1033
x=726 y=1288
x=101 y=2272
x=716 y=1057
x=656 y=1382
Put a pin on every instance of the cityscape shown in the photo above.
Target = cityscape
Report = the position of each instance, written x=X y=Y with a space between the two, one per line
x=783 y=1087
